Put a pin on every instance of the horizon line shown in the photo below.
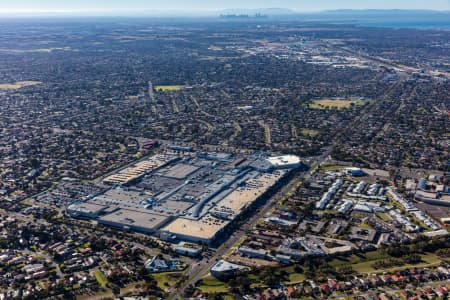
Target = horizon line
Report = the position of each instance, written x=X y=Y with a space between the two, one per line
x=168 y=12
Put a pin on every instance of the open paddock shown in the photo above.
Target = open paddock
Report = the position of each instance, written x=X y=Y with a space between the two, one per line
x=168 y=88
x=335 y=103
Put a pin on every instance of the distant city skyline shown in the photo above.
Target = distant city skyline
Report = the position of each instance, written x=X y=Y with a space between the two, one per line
x=159 y=6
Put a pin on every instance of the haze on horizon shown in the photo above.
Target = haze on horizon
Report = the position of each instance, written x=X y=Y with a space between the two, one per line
x=192 y=6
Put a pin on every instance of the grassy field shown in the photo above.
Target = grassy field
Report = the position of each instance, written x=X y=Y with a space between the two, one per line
x=211 y=285
x=365 y=226
x=384 y=216
x=360 y=258
x=363 y=264
x=295 y=278
x=328 y=167
x=334 y=104
x=310 y=132
x=107 y=293
x=132 y=287
x=101 y=278
x=168 y=88
x=17 y=85
x=165 y=280
x=429 y=260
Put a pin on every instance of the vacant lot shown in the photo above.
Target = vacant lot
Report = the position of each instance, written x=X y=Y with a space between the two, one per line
x=334 y=104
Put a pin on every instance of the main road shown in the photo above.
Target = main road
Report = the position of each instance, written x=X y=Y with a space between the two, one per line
x=201 y=269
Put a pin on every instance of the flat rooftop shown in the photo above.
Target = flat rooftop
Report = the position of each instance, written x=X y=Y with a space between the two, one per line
x=224 y=266
x=284 y=161
x=123 y=198
x=86 y=208
x=237 y=200
x=192 y=196
x=139 y=169
x=126 y=194
x=176 y=206
x=180 y=171
x=205 y=228
x=147 y=221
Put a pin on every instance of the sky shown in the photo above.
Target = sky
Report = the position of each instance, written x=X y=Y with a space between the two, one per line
x=37 y=6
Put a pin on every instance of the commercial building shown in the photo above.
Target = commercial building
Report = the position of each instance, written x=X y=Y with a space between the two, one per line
x=146 y=222
x=139 y=169
x=192 y=197
x=204 y=230
x=85 y=210
x=224 y=270
x=159 y=264
x=188 y=249
x=209 y=226
x=285 y=161
x=253 y=253
x=356 y=172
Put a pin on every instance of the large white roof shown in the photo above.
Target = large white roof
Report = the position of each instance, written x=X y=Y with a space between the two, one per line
x=224 y=266
x=284 y=160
